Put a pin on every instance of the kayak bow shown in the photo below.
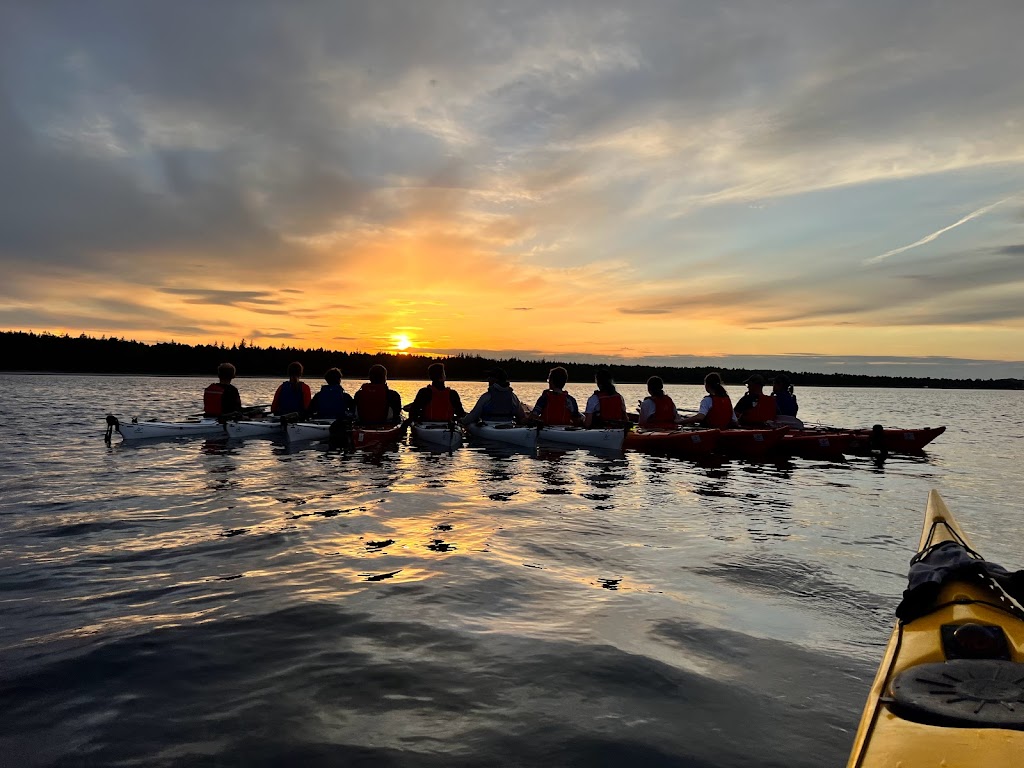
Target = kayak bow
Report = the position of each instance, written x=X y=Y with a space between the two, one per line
x=950 y=689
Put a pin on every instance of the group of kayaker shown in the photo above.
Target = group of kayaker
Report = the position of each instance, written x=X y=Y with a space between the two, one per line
x=377 y=404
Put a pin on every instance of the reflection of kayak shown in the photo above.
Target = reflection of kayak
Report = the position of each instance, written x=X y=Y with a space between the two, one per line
x=814 y=444
x=950 y=689
x=748 y=443
x=255 y=428
x=582 y=437
x=363 y=437
x=896 y=440
x=438 y=433
x=505 y=432
x=143 y=430
x=682 y=442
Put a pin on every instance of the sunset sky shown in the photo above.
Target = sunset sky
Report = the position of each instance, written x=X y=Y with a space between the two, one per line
x=838 y=181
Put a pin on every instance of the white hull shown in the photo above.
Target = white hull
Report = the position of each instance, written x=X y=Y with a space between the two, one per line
x=505 y=432
x=265 y=428
x=438 y=433
x=308 y=430
x=584 y=438
x=144 y=430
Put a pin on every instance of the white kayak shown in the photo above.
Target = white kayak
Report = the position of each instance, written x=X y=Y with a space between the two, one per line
x=505 y=432
x=143 y=430
x=309 y=430
x=438 y=433
x=583 y=437
x=255 y=428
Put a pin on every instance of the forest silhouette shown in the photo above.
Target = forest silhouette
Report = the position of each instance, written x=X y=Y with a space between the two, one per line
x=50 y=353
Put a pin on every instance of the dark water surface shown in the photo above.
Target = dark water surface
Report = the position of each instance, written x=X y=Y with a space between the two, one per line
x=192 y=602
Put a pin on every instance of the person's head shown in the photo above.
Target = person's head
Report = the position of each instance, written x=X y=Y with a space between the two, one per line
x=295 y=370
x=605 y=381
x=497 y=376
x=333 y=376
x=557 y=377
x=755 y=383
x=655 y=385
x=781 y=384
x=436 y=373
x=225 y=372
x=377 y=374
x=713 y=384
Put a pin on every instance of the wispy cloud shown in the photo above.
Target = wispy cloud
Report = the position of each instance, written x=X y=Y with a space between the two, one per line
x=938 y=233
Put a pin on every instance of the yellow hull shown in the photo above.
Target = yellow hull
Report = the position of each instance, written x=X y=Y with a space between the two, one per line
x=887 y=739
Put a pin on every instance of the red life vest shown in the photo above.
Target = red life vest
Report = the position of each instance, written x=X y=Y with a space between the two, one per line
x=440 y=406
x=611 y=407
x=720 y=414
x=373 y=403
x=664 y=412
x=763 y=410
x=556 y=408
x=213 y=397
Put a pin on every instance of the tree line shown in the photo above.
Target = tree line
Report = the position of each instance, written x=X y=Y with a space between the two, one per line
x=51 y=353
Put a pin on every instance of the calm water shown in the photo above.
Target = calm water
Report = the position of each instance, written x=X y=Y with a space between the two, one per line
x=237 y=604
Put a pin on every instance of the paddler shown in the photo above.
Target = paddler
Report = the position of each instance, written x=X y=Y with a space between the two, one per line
x=436 y=401
x=332 y=401
x=555 y=406
x=605 y=408
x=498 y=403
x=755 y=408
x=293 y=396
x=376 y=403
x=222 y=397
x=715 y=410
x=658 y=410
x=785 y=400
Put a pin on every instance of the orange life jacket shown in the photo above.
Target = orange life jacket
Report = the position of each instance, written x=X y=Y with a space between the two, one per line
x=556 y=408
x=664 y=411
x=440 y=406
x=373 y=403
x=213 y=398
x=720 y=414
x=763 y=410
x=611 y=407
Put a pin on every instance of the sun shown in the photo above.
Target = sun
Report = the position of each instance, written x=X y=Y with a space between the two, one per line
x=402 y=342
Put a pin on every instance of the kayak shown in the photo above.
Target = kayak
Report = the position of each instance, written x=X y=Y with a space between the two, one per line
x=505 y=432
x=441 y=434
x=254 y=428
x=814 y=444
x=144 y=430
x=950 y=688
x=582 y=437
x=297 y=431
x=678 y=441
x=360 y=436
x=895 y=440
x=748 y=443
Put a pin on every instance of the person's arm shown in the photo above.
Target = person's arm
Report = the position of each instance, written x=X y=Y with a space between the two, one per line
x=395 y=406
x=574 y=410
x=232 y=401
x=478 y=409
x=702 y=411
x=538 y=409
x=593 y=406
x=275 y=405
x=456 y=401
x=419 y=403
x=306 y=394
x=647 y=411
x=314 y=404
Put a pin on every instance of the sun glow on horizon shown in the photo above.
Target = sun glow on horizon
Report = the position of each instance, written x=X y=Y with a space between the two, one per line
x=402 y=343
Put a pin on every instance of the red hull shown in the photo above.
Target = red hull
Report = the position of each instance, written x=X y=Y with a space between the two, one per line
x=815 y=445
x=681 y=442
x=896 y=440
x=749 y=443
x=361 y=438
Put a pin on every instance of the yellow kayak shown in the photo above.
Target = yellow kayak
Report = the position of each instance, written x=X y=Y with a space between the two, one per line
x=950 y=689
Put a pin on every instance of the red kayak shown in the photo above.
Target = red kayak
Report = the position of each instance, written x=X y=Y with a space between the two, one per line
x=748 y=443
x=895 y=440
x=362 y=437
x=681 y=442
x=813 y=444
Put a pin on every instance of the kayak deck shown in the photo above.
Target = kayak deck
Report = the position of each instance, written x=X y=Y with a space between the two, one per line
x=892 y=732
